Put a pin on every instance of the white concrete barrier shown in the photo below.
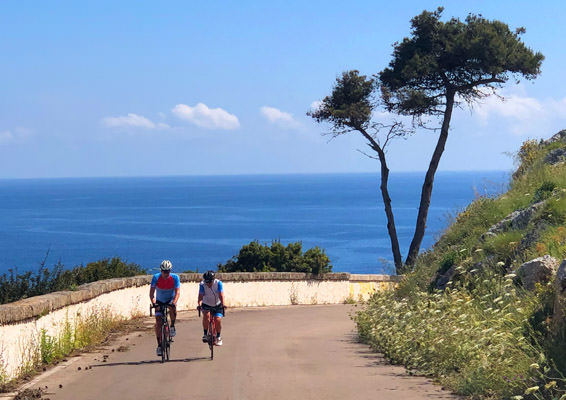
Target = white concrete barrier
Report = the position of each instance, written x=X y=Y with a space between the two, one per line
x=22 y=322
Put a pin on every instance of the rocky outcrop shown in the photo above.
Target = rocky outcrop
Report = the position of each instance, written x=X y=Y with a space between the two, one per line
x=558 y=137
x=441 y=280
x=516 y=220
x=540 y=270
x=555 y=156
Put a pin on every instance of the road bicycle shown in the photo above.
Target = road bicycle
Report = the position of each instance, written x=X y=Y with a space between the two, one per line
x=165 y=330
x=211 y=333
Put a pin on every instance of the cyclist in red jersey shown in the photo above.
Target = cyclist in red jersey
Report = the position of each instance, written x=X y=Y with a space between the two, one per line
x=166 y=287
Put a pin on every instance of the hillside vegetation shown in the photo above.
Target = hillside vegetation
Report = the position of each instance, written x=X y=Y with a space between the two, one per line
x=474 y=313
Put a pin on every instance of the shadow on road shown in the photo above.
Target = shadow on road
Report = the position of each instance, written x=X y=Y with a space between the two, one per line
x=145 y=362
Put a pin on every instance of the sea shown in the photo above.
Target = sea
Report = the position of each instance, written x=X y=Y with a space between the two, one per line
x=198 y=222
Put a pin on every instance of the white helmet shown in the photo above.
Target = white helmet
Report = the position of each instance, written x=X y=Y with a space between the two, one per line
x=166 y=265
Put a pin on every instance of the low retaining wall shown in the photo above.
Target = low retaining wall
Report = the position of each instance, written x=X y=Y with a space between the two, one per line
x=22 y=322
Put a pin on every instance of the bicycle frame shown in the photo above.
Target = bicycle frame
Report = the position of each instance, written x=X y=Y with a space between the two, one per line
x=211 y=333
x=165 y=330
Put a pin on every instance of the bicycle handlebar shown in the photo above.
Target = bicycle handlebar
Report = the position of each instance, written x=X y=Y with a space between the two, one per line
x=159 y=304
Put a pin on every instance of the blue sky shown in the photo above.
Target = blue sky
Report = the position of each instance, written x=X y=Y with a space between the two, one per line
x=145 y=88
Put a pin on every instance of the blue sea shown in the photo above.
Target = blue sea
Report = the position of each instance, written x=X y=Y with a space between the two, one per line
x=200 y=221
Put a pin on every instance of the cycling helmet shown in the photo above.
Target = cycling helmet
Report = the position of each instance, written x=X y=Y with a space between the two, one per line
x=208 y=276
x=166 y=265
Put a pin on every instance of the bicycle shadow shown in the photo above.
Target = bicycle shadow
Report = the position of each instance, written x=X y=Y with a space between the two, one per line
x=146 y=362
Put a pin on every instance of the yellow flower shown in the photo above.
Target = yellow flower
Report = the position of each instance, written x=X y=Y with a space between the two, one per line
x=550 y=385
x=531 y=390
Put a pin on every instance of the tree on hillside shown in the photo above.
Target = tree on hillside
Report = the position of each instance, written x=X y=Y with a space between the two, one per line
x=350 y=108
x=441 y=65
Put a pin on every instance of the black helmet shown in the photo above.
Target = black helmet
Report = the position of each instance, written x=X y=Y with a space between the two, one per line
x=208 y=276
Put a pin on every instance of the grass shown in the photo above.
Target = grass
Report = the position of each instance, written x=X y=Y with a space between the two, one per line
x=477 y=342
x=85 y=332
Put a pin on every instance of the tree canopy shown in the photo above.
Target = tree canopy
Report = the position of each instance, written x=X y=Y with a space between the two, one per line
x=453 y=57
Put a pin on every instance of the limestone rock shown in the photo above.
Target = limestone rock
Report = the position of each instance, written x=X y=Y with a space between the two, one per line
x=555 y=156
x=539 y=270
x=516 y=220
x=558 y=137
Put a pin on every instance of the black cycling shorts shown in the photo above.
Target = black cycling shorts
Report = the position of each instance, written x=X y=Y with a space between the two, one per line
x=217 y=311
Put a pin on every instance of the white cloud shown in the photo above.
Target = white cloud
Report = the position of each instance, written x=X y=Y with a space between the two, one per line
x=14 y=136
x=316 y=104
x=133 y=120
x=210 y=118
x=521 y=113
x=279 y=118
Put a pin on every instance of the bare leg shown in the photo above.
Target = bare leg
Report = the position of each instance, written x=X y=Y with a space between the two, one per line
x=218 y=321
x=158 y=328
x=205 y=320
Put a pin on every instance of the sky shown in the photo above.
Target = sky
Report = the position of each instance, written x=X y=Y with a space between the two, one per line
x=146 y=88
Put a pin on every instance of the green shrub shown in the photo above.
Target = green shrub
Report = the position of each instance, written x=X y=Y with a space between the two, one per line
x=256 y=257
x=526 y=156
x=544 y=191
x=16 y=286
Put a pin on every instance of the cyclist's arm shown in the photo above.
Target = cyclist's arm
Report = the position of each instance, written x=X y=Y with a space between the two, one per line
x=199 y=301
x=177 y=289
x=151 y=295
x=221 y=292
x=177 y=294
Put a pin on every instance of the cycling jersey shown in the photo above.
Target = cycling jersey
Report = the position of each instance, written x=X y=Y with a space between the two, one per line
x=165 y=287
x=210 y=295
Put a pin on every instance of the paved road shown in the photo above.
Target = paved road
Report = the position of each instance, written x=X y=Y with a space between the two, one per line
x=295 y=352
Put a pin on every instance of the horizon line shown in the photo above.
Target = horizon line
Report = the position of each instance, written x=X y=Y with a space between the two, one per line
x=250 y=174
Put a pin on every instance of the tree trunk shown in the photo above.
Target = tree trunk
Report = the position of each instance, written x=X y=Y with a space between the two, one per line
x=386 y=202
x=428 y=182
x=389 y=213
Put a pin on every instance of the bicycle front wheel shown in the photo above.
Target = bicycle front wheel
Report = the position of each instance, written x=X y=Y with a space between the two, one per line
x=164 y=343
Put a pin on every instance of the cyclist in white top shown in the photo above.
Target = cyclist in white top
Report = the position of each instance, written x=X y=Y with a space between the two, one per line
x=211 y=300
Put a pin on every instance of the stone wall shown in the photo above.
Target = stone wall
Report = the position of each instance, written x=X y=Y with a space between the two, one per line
x=22 y=322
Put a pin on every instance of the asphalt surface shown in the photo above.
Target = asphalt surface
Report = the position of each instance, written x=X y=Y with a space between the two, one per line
x=294 y=352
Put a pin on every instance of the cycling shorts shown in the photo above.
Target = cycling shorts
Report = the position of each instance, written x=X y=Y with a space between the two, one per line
x=217 y=311
x=158 y=312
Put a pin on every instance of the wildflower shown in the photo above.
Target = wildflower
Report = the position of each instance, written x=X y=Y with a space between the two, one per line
x=500 y=264
x=534 y=366
x=532 y=389
x=550 y=385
